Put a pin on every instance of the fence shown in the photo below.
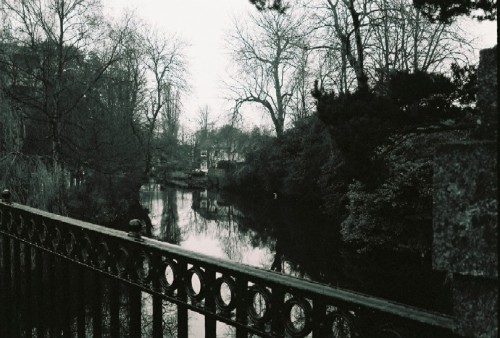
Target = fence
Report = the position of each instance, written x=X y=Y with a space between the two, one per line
x=63 y=277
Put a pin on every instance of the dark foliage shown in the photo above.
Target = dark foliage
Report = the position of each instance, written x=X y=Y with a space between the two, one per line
x=104 y=198
x=359 y=123
x=362 y=123
x=269 y=4
x=227 y=165
x=435 y=10
x=422 y=98
x=290 y=166
x=465 y=83
x=447 y=10
x=380 y=179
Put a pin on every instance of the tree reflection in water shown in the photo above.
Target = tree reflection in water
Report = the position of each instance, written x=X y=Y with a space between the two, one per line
x=290 y=239
x=163 y=212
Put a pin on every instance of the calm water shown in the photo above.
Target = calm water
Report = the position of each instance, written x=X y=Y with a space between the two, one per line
x=292 y=240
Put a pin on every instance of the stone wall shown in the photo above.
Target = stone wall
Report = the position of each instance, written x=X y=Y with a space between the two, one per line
x=487 y=100
x=465 y=214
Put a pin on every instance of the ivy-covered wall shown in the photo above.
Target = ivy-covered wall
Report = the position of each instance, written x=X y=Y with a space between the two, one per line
x=465 y=214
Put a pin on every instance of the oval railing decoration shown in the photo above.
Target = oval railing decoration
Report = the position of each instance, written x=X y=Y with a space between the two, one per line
x=253 y=300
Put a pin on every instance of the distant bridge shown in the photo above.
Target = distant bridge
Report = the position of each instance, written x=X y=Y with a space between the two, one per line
x=64 y=277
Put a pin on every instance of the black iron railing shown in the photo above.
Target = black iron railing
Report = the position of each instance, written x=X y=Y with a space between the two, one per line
x=80 y=279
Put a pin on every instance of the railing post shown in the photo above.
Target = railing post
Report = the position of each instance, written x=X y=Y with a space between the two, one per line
x=6 y=285
x=277 y=300
x=7 y=273
x=97 y=305
x=210 y=322
x=241 y=306
x=16 y=272
x=134 y=311
x=318 y=318
x=65 y=284
x=114 y=308
x=28 y=311
x=135 y=295
x=80 y=303
x=49 y=297
x=39 y=296
x=182 y=312
x=157 y=306
x=157 y=316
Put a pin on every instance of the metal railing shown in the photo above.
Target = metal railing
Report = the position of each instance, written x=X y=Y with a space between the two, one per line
x=44 y=255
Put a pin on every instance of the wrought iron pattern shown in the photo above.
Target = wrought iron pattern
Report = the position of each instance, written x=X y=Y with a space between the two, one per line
x=252 y=300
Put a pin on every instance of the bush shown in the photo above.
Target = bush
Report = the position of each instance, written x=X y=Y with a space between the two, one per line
x=227 y=165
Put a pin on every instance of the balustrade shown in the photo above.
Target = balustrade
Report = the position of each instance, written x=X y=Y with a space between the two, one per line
x=76 y=258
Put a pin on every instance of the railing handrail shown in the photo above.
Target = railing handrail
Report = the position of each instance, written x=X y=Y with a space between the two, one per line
x=286 y=281
x=260 y=301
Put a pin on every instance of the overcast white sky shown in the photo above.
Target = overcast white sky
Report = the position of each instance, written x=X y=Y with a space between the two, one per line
x=204 y=25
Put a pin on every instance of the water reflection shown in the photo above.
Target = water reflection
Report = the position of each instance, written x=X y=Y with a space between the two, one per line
x=163 y=213
x=291 y=240
x=202 y=221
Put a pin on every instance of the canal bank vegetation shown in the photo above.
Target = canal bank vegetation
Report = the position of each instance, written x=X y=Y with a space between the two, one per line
x=375 y=186
x=85 y=103
x=390 y=87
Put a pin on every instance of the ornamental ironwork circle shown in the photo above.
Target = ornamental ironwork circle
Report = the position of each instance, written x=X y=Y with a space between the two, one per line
x=259 y=307
x=122 y=258
x=225 y=294
x=42 y=233
x=31 y=230
x=20 y=226
x=56 y=238
x=192 y=274
x=143 y=267
x=70 y=242
x=102 y=255
x=168 y=277
x=340 y=324
x=297 y=317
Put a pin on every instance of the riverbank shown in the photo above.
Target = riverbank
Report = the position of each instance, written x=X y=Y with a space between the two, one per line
x=179 y=179
x=293 y=240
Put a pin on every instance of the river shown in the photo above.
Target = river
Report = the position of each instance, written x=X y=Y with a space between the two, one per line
x=289 y=239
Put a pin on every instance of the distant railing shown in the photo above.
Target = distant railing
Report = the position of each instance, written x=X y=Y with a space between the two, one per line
x=43 y=251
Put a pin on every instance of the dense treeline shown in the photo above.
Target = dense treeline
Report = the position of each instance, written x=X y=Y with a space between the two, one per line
x=366 y=158
x=85 y=105
x=386 y=97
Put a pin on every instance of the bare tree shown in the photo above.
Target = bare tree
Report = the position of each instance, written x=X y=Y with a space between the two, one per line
x=204 y=119
x=171 y=112
x=164 y=70
x=53 y=37
x=349 y=22
x=403 y=39
x=302 y=104
x=364 y=40
x=266 y=52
